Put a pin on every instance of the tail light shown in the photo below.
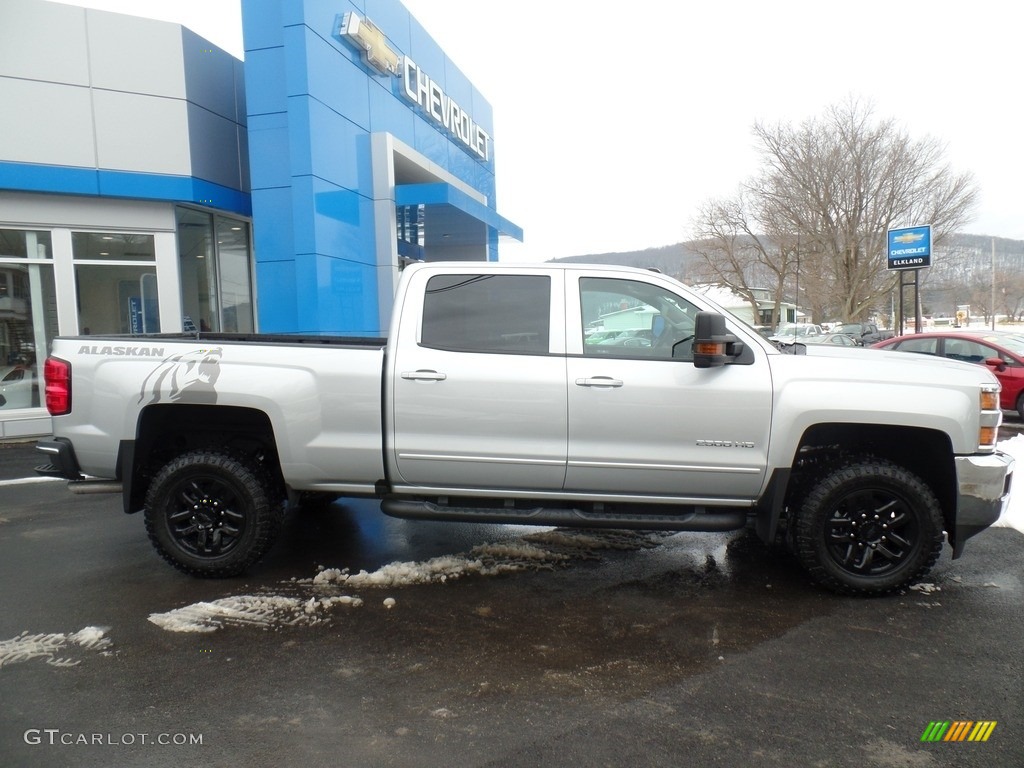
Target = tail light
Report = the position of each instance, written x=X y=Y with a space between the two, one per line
x=57 y=375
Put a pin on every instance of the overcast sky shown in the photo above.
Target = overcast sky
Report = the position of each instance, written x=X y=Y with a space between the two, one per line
x=614 y=122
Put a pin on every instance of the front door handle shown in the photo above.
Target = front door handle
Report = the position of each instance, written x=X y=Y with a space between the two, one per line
x=423 y=375
x=599 y=381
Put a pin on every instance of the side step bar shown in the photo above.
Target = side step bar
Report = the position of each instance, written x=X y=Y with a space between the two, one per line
x=691 y=519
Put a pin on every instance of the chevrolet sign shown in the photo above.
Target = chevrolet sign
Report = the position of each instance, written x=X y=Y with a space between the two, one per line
x=417 y=86
x=910 y=248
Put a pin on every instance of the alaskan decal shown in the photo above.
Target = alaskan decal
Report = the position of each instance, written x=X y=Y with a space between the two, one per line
x=187 y=377
x=87 y=349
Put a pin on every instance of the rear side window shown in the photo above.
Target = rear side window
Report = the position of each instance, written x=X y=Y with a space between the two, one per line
x=487 y=313
x=924 y=344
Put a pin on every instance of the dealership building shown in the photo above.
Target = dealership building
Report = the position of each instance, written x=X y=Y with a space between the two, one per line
x=151 y=182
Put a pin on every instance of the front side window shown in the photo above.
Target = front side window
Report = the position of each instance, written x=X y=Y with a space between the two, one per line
x=968 y=351
x=635 y=319
x=487 y=313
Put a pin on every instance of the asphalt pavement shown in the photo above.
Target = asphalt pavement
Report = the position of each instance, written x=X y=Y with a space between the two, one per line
x=18 y=459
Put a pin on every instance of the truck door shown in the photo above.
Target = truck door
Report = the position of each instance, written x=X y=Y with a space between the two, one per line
x=642 y=421
x=478 y=392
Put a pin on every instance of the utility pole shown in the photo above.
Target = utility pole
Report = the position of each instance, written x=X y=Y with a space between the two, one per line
x=796 y=300
x=993 y=283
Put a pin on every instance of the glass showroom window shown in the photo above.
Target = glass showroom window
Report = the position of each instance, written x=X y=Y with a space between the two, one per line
x=115 y=278
x=216 y=272
x=28 y=315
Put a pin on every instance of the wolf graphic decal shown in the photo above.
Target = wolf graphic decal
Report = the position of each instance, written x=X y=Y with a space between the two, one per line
x=188 y=377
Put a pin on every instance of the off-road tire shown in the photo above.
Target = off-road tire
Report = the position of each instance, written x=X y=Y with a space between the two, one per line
x=212 y=514
x=868 y=527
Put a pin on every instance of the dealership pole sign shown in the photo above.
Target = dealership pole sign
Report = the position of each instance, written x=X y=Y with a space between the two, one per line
x=910 y=247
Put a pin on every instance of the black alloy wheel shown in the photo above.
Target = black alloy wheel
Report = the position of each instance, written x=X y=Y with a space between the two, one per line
x=869 y=527
x=211 y=514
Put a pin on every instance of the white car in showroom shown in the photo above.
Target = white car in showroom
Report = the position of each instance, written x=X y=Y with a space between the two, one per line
x=18 y=387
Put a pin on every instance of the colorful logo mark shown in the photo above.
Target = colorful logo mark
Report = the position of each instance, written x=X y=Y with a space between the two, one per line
x=958 y=730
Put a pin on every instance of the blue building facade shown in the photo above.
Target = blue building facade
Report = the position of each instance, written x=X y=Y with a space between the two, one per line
x=368 y=149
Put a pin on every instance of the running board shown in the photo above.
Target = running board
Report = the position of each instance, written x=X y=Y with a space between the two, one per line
x=689 y=518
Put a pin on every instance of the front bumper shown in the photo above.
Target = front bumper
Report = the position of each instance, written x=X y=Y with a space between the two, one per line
x=983 y=493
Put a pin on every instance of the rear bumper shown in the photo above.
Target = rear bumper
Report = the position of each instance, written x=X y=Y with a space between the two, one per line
x=983 y=493
x=61 y=459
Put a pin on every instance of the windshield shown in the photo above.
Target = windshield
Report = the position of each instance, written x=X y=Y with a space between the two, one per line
x=1013 y=342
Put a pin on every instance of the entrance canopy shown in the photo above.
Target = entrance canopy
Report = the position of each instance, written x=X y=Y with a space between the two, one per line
x=454 y=215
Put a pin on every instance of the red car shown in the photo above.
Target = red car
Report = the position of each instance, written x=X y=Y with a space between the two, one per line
x=1001 y=351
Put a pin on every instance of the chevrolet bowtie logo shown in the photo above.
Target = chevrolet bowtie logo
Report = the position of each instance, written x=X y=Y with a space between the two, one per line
x=368 y=38
x=909 y=237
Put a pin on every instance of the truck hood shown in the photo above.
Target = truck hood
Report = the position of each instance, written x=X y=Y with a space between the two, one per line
x=872 y=386
x=864 y=364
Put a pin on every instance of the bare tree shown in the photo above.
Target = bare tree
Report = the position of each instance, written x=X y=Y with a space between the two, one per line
x=734 y=254
x=838 y=184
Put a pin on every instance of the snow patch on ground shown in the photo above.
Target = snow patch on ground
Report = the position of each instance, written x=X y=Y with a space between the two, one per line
x=485 y=560
x=30 y=480
x=26 y=647
x=536 y=551
x=1013 y=517
x=250 y=610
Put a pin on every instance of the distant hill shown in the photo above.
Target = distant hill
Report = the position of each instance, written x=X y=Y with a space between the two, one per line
x=678 y=259
x=672 y=259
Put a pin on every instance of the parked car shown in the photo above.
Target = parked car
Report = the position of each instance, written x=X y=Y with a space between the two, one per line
x=788 y=333
x=18 y=387
x=832 y=339
x=864 y=333
x=1001 y=351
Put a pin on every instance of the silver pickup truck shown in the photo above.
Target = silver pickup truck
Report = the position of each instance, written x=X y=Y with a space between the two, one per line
x=565 y=395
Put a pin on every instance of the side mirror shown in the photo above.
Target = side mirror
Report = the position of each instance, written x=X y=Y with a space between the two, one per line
x=713 y=345
x=996 y=363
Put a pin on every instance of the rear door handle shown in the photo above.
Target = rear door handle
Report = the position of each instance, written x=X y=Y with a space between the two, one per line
x=599 y=381
x=424 y=375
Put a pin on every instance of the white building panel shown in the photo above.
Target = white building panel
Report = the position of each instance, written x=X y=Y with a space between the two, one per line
x=142 y=133
x=136 y=55
x=47 y=123
x=58 y=54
